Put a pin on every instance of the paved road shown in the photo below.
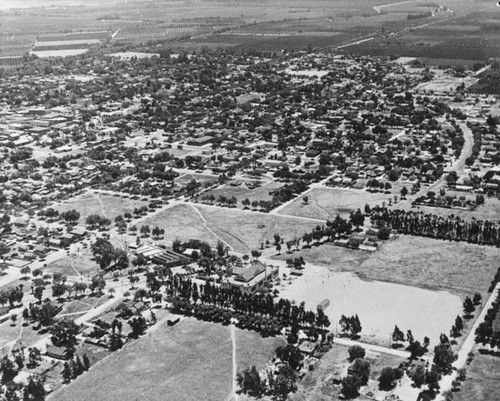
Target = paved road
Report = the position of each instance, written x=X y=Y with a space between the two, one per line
x=371 y=347
x=467 y=346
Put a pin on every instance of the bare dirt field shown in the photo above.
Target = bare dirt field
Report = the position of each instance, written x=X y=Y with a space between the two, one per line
x=483 y=379
x=326 y=203
x=190 y=361
x=457 y=267
x=99 y=203
x=426 y=313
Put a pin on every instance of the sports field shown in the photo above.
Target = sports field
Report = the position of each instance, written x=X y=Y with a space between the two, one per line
x=426 y=313
x=190 y=361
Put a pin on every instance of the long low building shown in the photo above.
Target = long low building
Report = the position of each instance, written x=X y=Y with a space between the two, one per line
x=162 y=256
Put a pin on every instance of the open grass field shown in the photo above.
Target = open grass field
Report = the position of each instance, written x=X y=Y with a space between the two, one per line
x=182 y=222
x=99 y=203
x=460 y=268
x=71 y=265
x=483 y=379
x=326 y=203
x=245 y=231
x=82 y=304
x=190 y=361
x=242 y=230
x=251 y=349
x=15 y=335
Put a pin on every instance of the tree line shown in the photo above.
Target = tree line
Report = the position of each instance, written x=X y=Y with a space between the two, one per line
x=487 y=333
x=451 y=228
x=257 y=312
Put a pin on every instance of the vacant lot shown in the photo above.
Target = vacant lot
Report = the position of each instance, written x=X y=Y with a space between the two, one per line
x=458 y=267
x=73 y=265
x=182 y=222
x=483 y=379
x=326 y=203
x=245 y=231
x=242 y=230
x=99 y=203
x=191 y=361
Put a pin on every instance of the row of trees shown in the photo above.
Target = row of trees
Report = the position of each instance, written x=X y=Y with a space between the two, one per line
x=262 y=312
x=333 y=228
x=70 y=216
x=429 y=225
x=485 y=332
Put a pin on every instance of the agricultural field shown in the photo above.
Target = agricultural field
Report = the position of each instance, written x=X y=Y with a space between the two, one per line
x=103 y=204
x=458 y=267
x=483 y=379
x=326 y=203
x=192 y=360
x=446 y=35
